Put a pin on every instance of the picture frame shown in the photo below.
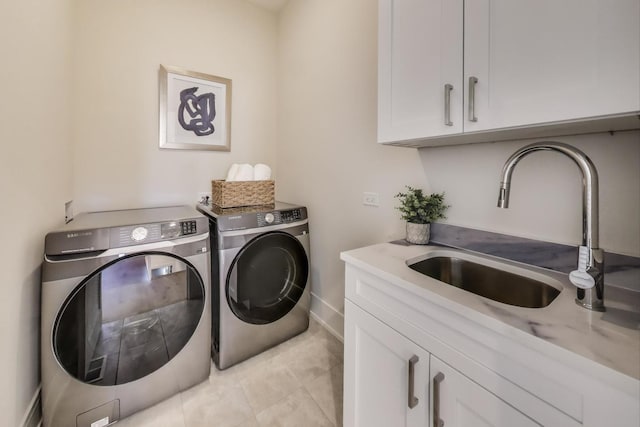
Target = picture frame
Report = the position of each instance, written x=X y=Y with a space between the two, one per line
x=195 y=110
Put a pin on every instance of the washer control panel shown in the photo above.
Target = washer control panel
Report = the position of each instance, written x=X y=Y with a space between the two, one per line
x=148 y=233
x=188 y=227
x=99 y=231
x=173 y=229
x=139 y=233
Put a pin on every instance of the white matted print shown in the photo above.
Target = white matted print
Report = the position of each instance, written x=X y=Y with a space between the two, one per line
x=195 y=110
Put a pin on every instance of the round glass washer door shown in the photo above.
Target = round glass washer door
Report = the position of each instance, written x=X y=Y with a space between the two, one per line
x=267 y=278
x=129 y=318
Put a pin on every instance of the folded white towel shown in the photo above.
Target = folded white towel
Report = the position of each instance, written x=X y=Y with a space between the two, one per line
x=233 y=171
x=245 y=173
x=261 y=172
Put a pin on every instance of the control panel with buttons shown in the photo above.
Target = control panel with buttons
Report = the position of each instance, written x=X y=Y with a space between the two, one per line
x=278 y=217
x=255 y=217
x=188 y=227
x=292 y=215
x=269 y=218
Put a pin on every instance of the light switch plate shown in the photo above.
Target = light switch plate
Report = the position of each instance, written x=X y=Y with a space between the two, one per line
x=371 y=199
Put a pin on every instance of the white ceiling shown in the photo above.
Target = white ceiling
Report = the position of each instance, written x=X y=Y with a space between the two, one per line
x=274 y=5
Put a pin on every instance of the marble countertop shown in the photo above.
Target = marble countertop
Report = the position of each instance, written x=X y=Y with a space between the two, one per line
x=610 y=339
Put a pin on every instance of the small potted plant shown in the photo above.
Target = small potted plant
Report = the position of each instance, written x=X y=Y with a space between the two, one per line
x=420 y=210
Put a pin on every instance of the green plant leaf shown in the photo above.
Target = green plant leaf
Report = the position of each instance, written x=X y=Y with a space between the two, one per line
x=420 y=209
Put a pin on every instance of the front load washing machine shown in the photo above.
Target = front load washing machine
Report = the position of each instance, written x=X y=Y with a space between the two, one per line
x=126 y=316
x=260 y=283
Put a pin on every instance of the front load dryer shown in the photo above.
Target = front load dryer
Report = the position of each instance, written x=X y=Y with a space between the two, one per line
x=260 y=278
x=126 y=316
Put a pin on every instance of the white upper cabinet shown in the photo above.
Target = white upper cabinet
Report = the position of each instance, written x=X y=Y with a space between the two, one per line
x=527 y=69
x=546 y=60
x=419 y=54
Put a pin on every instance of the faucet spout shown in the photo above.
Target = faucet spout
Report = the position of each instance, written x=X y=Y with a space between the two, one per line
x=503 y=196
x=589 y=278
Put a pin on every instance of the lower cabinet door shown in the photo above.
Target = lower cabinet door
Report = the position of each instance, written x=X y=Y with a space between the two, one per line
x=385 y=374
x=459 y=402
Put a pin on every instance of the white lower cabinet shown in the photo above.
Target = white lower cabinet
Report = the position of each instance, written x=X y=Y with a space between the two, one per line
x=493 y=374
x=459 y=402
x=385 y=375
x=390 y=381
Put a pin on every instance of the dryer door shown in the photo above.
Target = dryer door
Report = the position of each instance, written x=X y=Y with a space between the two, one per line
x=129 y=318
x=267 y=278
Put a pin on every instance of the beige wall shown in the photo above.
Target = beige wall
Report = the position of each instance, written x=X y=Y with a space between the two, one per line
x=546 y=189
x=119 y=46
x=95 y=113
x=304 y=95
x=327 y=154
x=35 y=179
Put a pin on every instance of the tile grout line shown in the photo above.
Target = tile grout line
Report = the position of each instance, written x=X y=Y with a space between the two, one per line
x=314 y=334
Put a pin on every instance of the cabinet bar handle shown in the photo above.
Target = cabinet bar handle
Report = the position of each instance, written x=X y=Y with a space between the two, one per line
x=413 y=400
x=472 y=99
x=447 y=104
x=437 y=422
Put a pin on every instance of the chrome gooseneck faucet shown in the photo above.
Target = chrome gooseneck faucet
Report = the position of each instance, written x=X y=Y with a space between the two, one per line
x=589 y=277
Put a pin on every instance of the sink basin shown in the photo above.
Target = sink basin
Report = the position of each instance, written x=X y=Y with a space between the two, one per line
x=495 y=284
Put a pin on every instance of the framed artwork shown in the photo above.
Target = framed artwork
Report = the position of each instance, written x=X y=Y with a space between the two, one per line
x=195 y=110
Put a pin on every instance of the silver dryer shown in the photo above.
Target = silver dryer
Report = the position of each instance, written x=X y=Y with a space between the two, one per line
x=260 y=278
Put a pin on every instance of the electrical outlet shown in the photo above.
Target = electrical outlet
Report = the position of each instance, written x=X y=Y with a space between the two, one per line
x=371 y=199
x=68 y=211
x=204 y=197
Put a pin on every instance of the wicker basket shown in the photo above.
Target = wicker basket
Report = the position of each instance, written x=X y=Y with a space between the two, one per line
x=242 y=193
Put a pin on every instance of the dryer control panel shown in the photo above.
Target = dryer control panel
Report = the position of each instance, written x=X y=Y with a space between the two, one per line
x=268 y=218
x=248 y=217
x=278 y=217
x=292 y=215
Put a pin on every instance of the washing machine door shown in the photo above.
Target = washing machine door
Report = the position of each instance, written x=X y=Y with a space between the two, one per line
x=267 y=278
x=128 y=318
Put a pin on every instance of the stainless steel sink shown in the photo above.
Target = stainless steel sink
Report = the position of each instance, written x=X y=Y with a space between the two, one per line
x=489 y=282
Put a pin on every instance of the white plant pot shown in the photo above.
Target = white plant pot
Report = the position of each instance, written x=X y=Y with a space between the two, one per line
x=418 y=234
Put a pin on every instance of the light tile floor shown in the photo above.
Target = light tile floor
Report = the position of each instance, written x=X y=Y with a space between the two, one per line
x=296 y=384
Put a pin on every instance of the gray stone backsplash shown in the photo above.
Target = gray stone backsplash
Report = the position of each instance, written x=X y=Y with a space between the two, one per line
x=620 y=270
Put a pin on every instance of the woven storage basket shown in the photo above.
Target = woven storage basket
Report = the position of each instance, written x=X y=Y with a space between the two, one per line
x=242 y=193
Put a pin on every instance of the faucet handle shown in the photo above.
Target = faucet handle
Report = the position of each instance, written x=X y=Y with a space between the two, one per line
x=580 y=277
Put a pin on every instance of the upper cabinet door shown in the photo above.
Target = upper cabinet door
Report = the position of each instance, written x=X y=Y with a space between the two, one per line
x=419 y=65
x=547 y=61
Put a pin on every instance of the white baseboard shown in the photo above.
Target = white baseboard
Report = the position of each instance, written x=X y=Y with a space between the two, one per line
x=33 y=415
x=328 y=316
